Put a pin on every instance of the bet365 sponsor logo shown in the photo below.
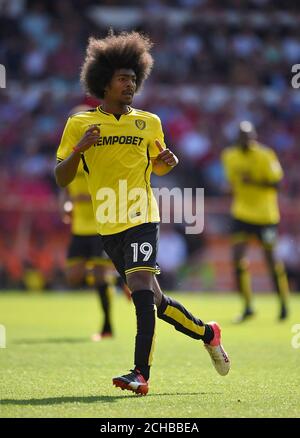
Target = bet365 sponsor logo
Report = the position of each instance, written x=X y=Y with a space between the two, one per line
x=2 y=76
x=296 y=338
x=2 y=336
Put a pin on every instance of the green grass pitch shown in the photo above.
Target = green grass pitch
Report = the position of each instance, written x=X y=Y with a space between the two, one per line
x=50 y=368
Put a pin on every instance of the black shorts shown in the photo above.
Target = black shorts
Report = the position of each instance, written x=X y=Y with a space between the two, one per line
x=266 y=234
x=134 y=249
x=86 y=248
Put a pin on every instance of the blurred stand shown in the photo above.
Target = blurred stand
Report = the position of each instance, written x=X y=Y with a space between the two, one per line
x=33 y=241
x=172 y=256
x=216 y=63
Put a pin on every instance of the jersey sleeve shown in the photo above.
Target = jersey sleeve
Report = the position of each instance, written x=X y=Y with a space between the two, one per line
x=69 y=139
x=273 y=169
x=157 y=134
x=226 y=162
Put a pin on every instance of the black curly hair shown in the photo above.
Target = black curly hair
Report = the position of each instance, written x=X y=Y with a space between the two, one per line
x=128 y=50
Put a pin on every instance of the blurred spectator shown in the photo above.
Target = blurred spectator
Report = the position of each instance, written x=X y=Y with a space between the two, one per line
x=172 y=255
x=216 y=63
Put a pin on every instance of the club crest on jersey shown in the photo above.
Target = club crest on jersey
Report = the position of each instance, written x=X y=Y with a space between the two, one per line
x=141 y=124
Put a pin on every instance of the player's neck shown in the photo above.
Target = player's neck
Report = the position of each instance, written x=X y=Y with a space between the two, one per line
x=114 y=107
x=245 y=147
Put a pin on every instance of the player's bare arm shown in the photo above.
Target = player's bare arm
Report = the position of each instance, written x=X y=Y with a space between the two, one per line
x=164 y=162
x=65 y=171
x=81 y=197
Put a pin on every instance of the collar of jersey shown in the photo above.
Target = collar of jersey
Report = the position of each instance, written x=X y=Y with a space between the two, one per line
x=111 y=114
x=253 y=145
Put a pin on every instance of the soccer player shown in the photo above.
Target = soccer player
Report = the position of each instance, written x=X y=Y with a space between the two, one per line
x=254 y=173
x=120 y=146
x=85 y=252
x=86 y=256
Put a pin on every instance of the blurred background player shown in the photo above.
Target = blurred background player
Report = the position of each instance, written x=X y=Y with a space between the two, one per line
x=254 y=173
x=87 y=262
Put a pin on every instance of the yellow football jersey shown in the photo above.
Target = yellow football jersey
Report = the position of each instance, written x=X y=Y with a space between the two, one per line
x=118 y=167
x=83 y=219
x=251 y=203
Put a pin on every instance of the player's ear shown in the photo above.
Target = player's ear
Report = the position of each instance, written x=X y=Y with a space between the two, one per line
x=106 y=88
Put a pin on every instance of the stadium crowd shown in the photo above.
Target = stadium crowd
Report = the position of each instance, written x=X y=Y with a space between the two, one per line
x=216 y=63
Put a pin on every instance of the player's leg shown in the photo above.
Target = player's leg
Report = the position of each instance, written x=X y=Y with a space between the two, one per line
x=133 y=253
x=243 y=281
x=174 y=313
x=76 y=262
x=75 y=272
x=140 y=267
x=121 y=284
x=101 y=265
x=105 y=299
x=141 y=285
x=276 y=268
x=278 y=274
x=240 y=235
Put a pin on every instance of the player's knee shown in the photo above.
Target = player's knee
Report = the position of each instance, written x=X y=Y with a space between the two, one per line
x=242 y=264
x=140 y=280
x=158 y=294
x=269 y=254
x=238 y=252
x=240 y=259
x=99 y=273
x=74 y=279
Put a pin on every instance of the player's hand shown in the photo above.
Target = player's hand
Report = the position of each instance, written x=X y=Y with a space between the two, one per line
x=90 y=137
x=66 y=212
x=66 y=218
x=166 y=155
